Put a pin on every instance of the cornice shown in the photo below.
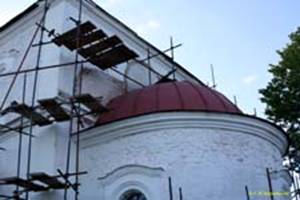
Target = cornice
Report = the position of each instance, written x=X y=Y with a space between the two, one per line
x=238 y=124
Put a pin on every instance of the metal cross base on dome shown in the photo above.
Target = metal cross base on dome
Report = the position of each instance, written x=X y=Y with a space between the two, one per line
x=51 y=110
x=94 y=45
x=41 y=182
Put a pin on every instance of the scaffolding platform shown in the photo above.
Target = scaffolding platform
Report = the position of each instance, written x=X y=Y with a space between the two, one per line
x=29 y=113
x=51 y=181
x=55 y=109
x=40 y=182
x=69 y=38
x=28 y=185
x=94 y=45
x=91 y=103
x=49 y=111
x=90 y=38
x=113 y=57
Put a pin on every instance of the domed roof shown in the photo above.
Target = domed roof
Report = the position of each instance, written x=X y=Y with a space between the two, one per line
x=163 y=97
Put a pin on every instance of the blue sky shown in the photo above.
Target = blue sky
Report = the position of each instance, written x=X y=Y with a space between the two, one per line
x=238 y=37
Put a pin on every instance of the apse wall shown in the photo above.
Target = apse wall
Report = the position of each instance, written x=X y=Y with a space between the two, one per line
x=209 y=155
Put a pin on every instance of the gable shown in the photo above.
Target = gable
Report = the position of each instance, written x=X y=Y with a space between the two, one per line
x=91 y=11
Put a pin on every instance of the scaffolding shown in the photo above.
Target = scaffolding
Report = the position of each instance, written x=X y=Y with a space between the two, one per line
x=90 y=45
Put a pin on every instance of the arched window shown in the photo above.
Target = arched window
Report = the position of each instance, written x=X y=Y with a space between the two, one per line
x=133 y=195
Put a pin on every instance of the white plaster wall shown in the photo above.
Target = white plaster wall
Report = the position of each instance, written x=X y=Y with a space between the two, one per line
x=43 y=155
x=13 y=43
x=211 y=156
x=211 y=161
x=17 y=38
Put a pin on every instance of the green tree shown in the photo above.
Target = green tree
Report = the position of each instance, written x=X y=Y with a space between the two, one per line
x=282 y=94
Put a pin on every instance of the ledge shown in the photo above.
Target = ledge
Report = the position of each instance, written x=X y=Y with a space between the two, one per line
x=240 y=124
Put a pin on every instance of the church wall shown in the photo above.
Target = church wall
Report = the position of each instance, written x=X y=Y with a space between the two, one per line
x=13 y=44
x=210 y=157
x=141 y=152
x=49 y=145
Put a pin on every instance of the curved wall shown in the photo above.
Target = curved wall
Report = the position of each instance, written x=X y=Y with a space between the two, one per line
x=211 y=156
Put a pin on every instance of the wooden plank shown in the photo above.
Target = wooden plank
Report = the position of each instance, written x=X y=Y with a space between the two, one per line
x=54 y=109
x=88 y=39
x=113 y=57
x=28 y=185
x=100 y=46
x=52 y=182
x=29 y=113
x=90 y=102
x=71 y=35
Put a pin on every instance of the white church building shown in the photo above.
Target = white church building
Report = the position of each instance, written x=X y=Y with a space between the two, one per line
x=108 y=116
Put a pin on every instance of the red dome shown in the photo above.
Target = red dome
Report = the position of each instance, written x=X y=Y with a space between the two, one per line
x=170 y=96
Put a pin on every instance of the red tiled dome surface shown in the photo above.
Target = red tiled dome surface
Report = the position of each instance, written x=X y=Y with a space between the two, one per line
x=170 y=96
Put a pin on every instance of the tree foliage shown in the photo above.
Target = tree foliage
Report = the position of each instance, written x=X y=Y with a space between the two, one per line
x=282 y=94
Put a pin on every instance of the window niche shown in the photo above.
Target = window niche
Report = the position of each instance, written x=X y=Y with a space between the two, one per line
x=133 y=194
x=134 y=182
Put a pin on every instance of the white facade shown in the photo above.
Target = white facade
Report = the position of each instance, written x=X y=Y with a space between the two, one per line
x=210 y=156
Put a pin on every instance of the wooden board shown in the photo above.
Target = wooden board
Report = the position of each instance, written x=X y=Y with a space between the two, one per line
x=51 y=181
x=97 y=48
x=92 y=37
x=29 y=113
x=54 y=109
x=71 y=35
x=28 y=185
x=113 y=57
x=86 y=39
x=90 y=102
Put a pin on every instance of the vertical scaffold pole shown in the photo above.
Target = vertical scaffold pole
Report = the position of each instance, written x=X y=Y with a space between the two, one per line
x=36 y=75
x=270 y=184
x=170 y=189
x=20 y=142
x=247 y=193
x=180 y=194
x=73 y=107
x=149 y=66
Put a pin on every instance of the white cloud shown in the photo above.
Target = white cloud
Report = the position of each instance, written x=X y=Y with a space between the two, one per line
x=250 y=79
x=153 y=24
x=149 y=26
